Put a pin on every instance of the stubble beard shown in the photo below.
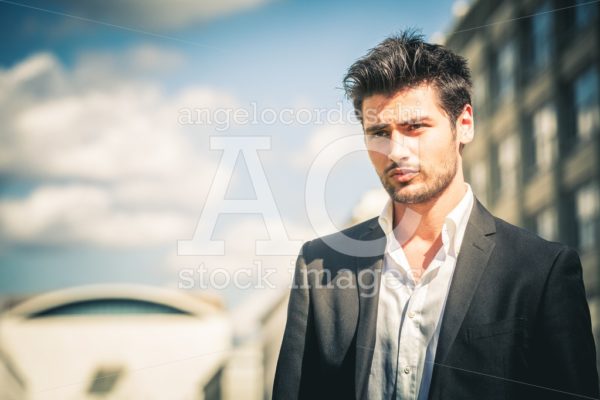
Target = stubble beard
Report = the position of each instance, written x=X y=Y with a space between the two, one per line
x=432 y=188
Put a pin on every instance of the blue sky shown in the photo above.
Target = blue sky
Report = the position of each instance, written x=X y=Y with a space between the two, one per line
x=90 y=114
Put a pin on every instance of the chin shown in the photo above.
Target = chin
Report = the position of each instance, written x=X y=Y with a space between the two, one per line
x=407 y=196
x=413 y=194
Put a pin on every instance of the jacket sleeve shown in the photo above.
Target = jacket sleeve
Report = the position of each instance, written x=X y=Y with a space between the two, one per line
x=296 y=366
x=565 y=354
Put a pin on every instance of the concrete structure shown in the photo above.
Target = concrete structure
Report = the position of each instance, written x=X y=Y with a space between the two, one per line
x=258 y=327
x=12 y=383
x=117 y=342
x=535 y=159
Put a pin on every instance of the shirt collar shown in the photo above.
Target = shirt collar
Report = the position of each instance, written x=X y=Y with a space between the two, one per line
x=454 y=226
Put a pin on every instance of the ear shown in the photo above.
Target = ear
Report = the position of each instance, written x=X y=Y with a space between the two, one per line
x=465 y=125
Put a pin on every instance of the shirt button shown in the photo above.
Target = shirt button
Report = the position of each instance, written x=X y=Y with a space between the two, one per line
x=411 y=314
x=407 y=370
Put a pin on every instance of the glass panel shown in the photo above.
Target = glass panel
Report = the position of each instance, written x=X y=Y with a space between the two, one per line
x=507 y=159
x=506 y=70
x=479 y=92
x=541 y=35
x=547 y=224
x=479 y=180
x=587 y=204
x=587 y=104
x=585 y=12
x=109 y=307
x=544 y=132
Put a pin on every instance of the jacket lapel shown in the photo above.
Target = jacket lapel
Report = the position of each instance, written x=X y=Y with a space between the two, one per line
x=368 y=271
x=476 y=248
x=472 y=260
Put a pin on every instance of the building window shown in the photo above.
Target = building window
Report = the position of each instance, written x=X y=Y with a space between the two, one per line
x=212 y=389
x=585 y=12
x=479 y=179
x=506 y=70
x=594 y=304
x=479 y=92
x=109 y=306
x=588 y=210
x=105 y=380
x=544 y=134
x=541 y=34
x=546 y=224
x=508 y=155
x=587 y=104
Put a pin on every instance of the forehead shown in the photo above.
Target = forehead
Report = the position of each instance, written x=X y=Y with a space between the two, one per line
x=405 y=105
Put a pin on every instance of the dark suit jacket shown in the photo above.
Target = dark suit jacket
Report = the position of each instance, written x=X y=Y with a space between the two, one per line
x=516 y=323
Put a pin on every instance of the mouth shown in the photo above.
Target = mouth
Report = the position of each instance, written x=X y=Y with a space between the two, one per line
x=403 y=174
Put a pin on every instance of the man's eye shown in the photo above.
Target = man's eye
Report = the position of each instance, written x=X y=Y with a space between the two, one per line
x=414 y=127
x=379 y=133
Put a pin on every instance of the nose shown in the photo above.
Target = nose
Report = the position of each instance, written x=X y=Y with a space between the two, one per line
x=398 y=147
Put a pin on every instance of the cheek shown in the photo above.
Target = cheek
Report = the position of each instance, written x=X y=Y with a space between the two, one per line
x=378 y=159
x=378 y=146
x=436 y=149
x=413 y=144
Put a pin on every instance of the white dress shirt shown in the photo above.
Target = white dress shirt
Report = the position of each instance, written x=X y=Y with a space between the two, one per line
x=409 y=313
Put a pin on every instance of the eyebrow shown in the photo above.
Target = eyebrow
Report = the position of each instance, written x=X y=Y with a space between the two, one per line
x=374 y=128
x=381 y=126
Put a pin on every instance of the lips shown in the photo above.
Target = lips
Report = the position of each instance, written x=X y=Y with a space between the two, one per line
x=403 y=174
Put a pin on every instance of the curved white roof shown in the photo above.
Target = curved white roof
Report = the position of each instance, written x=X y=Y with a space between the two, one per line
x=163 y=296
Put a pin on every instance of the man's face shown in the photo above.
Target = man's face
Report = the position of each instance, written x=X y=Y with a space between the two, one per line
x=411 y=143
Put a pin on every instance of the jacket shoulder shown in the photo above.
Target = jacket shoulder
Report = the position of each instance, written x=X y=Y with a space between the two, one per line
x=326 y=244
x=526 y=246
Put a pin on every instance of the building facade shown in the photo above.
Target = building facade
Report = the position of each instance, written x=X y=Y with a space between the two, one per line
x=535 y=158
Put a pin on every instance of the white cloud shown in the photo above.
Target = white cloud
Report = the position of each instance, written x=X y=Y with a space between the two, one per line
x=31 y=68
x=159 y=15
x=116 y=134
x=321 y=138
x=85 y=214
x=117 y=167
x=101 y=68
x=39 y=75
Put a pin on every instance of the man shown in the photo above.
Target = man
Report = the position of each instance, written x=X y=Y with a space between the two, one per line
x=436 y=298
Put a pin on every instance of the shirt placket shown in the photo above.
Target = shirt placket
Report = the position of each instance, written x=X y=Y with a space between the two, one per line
x=408 y=358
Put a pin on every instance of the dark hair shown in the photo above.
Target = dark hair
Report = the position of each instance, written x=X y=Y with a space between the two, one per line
x=405 y=60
